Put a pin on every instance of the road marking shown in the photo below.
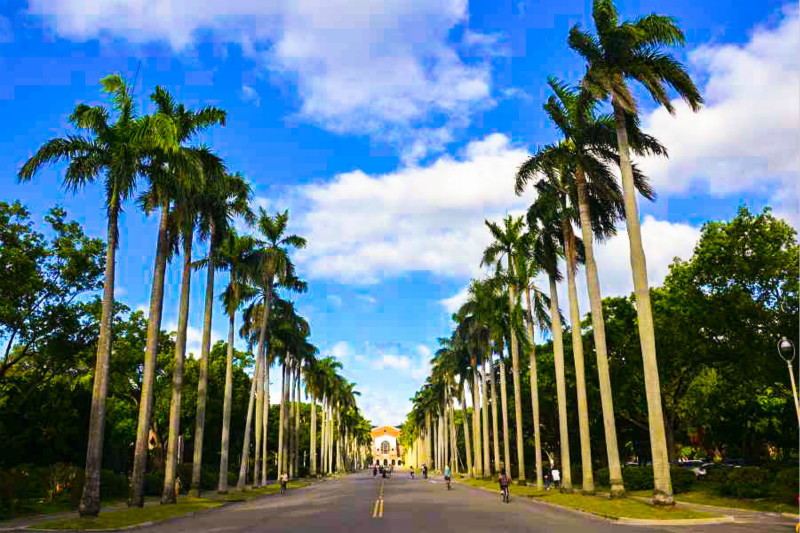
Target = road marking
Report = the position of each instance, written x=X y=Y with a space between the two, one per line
x=377 y=508
x=380 y=512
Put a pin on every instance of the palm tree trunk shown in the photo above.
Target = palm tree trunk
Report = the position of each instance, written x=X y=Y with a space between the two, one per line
x=170 y=472
x=313 y=442
x=136 y=497
x=428 y=440
x=260 y=360
x=537 y=433
x=265 y=418
x=290 y=425
x=247 y=427
x=286 y=449
x=577 y=352
x=453 y=434
x=297 y=427
x=561 y=385
x=599 y=328
x=662 y=495
x=202 y=382
x=504 y=406
x=467 y=444
x=280 y=421
x=487 y=458
x=495 y=423
x=515 y=376
x=324 y=438
x=222 y=484
x=476 y=424
x=90 y=499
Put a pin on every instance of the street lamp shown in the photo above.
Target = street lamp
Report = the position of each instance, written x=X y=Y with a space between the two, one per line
x=786 y=352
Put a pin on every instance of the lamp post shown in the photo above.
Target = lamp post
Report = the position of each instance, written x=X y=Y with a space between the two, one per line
x=786 y=352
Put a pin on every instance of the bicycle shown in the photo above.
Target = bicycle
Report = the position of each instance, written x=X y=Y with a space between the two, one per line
x=283 y=488
x=504 y=492
x=448 y=482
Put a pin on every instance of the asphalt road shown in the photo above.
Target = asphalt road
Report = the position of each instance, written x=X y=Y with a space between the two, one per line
x=362 y=504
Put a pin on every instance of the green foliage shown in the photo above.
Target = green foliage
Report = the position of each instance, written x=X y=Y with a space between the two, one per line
x=746 y=482
x=602 y=477
x=785 y=487
x=638 y=477
x=683 y=479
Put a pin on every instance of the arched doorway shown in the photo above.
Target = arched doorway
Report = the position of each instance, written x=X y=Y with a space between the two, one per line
x=392 y=462
x=385 y=462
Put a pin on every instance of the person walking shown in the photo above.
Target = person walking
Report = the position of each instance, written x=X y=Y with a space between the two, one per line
x=556 y=478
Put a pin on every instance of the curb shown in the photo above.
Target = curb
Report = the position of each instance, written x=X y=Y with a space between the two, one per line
x=729 y=509
x=623 y=520
x=191 y=514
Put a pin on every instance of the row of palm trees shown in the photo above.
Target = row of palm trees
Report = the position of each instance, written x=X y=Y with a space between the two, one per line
x=156 y=158
x=575 y=186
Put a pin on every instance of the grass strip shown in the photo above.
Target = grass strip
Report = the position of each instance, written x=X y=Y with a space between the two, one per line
x=622 y=507
x=133 y=516
x=705 y=497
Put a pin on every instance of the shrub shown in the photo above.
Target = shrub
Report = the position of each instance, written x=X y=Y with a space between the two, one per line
x=785 y=486
x=154 y=483
x=602 y=477
x=746 y=482
x=113 y=485
x=638 y=477
x=682 y=479
x=718 y=475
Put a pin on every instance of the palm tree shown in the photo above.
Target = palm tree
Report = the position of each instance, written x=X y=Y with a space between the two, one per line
x=632 y=50
x=218 y=208
x=545 y=248
x=171 y=175
x=591 y=146
x=507 y=242
x=236 y=255
x=117 y=150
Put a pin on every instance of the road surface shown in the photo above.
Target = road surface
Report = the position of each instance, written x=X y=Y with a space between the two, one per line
x=362 y=504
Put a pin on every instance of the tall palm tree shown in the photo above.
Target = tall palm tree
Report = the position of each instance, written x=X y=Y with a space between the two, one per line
x=506 y=243
x=172 y=175
x=230 y=198
x=236 y=255
x=591 y=146
x=622 y=51
x=545 y=247
x=118 y=150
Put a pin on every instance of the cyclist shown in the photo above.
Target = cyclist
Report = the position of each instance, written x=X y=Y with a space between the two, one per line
x=412 y=472
x=504 y=481
x=447 y=475
x=424 y=471
x=284 y=482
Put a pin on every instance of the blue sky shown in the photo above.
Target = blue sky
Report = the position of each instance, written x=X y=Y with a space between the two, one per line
x=391 y=129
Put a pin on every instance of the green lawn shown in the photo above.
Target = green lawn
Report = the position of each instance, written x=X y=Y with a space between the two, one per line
x=154 y=513
x=133 y=516
x=491 y=484
x=621 y=507
x=707 y=497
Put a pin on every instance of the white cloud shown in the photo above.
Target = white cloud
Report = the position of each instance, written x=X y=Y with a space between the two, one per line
x=194 y=339
x=367 y=298
x=746 y=136
x=452 y=304
x=363 y=228
x=249 y=94
x=335 y=300
x=342 y=351
x=394 y=362
x=381 y=67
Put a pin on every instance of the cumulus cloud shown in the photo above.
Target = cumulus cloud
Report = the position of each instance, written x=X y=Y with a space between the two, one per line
x=384 y=68
x=746 y=136
x=342 y=351
x=364 y=228
x=249 y=94
x=194 y=338
x=335 y=300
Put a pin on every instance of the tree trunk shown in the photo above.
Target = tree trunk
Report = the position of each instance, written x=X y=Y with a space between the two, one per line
x=428 y=440
x=453 y=434
x=260 y=461
x=662 y=495
x=561 y=386
x=202 y=382
x=476 y=422
x=247 y=427
x=504 y=405
x=537 y=433
x=487 y=457
x=280 y=421
x=170 y=472
x=297 y=426
x=265 y=418
x=136 y=497
x=222 y=484
x=515 y=375
x=287 y=390
x=290 y=424
x=495 y=423
x=90 y=499
x=313 y=442
x=577 y=353
x=599 y=328
x=324 y=437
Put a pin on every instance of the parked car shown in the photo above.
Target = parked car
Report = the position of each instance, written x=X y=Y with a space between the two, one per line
x=694 y=465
